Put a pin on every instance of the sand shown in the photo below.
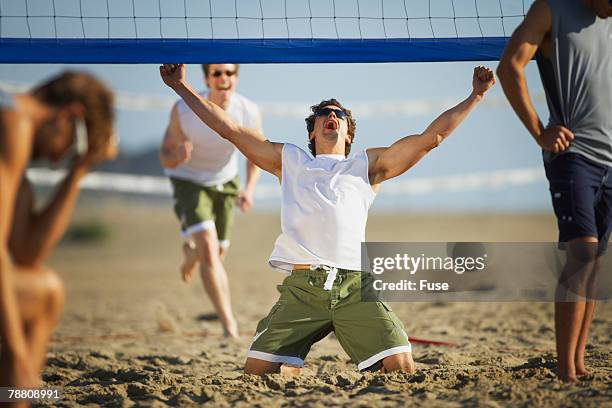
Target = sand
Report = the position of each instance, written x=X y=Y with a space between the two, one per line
x=133 y=333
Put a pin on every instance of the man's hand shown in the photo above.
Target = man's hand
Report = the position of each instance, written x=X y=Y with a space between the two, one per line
x=173 y=75
x=182 y=153
x=483 y=80
x=244 y=200
x=555 y=139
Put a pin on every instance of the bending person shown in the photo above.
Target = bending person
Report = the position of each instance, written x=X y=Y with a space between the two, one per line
x=203 y=169
x=324 y=209
x=70 y=114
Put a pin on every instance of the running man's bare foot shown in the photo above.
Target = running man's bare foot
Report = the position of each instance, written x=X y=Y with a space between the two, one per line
x=231 y=331
x=189 y=262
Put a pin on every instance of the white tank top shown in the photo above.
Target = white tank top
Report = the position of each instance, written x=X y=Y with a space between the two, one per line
x=214 y=160
x=324 y=210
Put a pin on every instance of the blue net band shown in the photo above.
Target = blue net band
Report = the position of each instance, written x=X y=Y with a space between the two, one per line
x=244 y=51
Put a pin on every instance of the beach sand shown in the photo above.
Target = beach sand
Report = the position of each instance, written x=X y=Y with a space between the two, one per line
x=133 y=333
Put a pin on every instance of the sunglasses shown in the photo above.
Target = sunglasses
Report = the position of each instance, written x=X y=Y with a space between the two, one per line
x=340 y=114
x=217 y=74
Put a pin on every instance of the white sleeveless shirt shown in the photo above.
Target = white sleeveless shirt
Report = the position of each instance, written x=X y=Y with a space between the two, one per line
x=324 y=209
x=214 y=160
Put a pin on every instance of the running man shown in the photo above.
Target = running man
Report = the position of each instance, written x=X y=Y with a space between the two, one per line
x=203 y=169
x=71 y=116
x=324 y=209
x=572 y=42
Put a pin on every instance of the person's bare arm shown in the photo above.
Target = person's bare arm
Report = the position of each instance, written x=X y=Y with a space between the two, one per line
x=385 y=163
x=250 y=142
x=15 y=144
x=175 y=148
x=244 y=199
x=525 y=41
x=36 y=233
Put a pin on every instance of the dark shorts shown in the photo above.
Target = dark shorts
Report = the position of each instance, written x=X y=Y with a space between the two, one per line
x=581 y=192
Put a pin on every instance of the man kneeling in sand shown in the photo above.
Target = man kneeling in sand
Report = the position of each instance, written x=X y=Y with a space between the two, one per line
x=324 y=209
x=71 y=112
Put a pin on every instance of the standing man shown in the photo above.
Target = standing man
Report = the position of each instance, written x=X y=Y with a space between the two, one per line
x=324 y=210
x=70 y=114
x=203 y=169
x=572 y=41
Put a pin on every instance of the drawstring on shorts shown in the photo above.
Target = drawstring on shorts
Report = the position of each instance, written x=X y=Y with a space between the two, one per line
x=331 y=271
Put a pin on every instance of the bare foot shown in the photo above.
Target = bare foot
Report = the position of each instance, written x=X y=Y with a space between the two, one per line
x=581 y=370
x=566 y=374
x=289 y=371
x=231 y=332
x=189 y=262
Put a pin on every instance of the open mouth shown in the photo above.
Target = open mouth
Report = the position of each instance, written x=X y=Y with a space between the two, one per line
x=331 y=125
x=223 y=88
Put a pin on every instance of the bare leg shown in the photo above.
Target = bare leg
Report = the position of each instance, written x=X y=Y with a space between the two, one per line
x=582 y=339
x=40 y=295
x=572 y=318
x=568 y=319
x=223 y=253
x=591 y=295
x=256 y=366
x=214 y=279
x=401 y=361
x=190 y=259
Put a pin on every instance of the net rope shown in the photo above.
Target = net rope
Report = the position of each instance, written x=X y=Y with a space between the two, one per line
x=266 y=22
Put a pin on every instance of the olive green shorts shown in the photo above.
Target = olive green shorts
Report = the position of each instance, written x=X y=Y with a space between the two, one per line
x=201 y=208
x=306 y=312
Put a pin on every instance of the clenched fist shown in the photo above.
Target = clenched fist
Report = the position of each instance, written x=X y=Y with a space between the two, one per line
x=555 y=139
x=172 y=74
x=483 y=80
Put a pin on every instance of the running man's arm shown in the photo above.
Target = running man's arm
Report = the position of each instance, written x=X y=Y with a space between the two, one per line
x=14 y=152
x=176 y=147
x=388 y=162
x=525 y=41
x=250 y=142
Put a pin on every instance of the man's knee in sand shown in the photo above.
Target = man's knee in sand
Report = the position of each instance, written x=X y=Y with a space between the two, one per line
x=256 y=366
x=398 y=362
x=40 y=293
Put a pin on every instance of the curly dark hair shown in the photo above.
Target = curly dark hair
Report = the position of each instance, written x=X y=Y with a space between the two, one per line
x=310 y=121
x=97 y=99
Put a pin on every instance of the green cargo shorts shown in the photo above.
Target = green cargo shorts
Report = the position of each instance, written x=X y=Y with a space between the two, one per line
x=201 y=208
x=306 y=312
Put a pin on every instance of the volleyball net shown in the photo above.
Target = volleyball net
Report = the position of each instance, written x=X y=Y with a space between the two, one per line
x=255 y=31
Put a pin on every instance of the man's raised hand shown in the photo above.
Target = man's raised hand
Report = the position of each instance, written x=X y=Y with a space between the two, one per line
x=172 y=74
x=484 y=78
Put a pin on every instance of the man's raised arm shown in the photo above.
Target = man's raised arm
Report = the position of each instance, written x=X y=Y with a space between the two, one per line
x=385 y=163
x=251 y=143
